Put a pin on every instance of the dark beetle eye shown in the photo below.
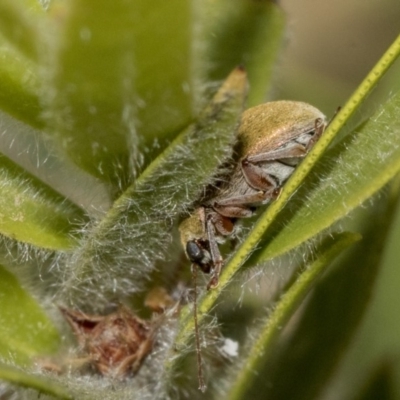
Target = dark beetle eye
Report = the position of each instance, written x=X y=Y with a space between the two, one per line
x=194 y=251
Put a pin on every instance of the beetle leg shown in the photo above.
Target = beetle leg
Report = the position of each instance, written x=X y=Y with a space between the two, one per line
x=238 y=207
x=258 y=178
x=233 y=211
x=293 y=151
x=222 y=223
x=319 y=130
x=214 y=250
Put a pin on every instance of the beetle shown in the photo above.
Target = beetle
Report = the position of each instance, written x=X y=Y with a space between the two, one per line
x=272 y=140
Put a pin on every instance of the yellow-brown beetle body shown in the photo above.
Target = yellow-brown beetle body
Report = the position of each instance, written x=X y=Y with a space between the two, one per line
x=272 y=140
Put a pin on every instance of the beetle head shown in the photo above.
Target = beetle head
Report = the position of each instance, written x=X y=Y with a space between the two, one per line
x=195 y=241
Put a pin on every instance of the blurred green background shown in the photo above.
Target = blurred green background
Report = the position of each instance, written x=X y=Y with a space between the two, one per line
x=334 y=44
x=330 y=47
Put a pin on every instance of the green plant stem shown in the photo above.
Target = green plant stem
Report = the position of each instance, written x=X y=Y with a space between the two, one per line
x=361 y=93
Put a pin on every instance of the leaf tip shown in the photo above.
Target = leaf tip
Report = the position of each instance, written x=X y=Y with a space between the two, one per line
x=235 y=83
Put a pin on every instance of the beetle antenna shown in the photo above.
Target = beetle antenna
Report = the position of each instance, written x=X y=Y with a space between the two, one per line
x=200 y=376
x=334 y=115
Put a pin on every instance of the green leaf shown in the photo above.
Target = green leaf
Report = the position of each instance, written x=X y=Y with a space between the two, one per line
x=25 y=330
x=120 y=75
x=346 y=176
x=42 y=385
x=32 y=212
x=122 y=249
x=20 y=22
x=284 y=309
x=265 y=221
x=312 y=349
x=245 y=33
x=19 y=86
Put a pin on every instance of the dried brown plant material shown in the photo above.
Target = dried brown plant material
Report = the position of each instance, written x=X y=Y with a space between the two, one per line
x=115 y=344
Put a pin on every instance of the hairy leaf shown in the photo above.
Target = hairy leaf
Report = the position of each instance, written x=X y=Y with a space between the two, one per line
x=119 y=75
x=42 y=385
x=33 y=213
x=25 y=331
x=136 y=230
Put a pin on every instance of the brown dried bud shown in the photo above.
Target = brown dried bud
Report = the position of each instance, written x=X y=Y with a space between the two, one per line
x=115 y=344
